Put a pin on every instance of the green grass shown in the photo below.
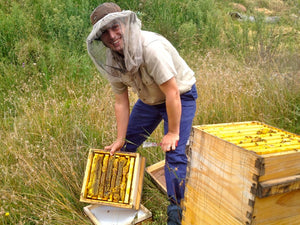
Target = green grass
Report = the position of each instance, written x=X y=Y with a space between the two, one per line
x=55 y=106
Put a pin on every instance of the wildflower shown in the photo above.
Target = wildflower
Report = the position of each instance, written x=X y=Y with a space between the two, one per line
x=23 y=65
x=7 y=214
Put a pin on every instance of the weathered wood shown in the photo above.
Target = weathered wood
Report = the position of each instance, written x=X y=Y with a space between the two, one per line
x=228 y=184
x=281 y=165
x=224 y=175
x=278 y=208
x=278 y=186
x=157 y=174
x=201 y=208
x=140 y=184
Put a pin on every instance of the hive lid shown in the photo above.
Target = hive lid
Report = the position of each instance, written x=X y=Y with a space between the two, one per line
x=109 y=215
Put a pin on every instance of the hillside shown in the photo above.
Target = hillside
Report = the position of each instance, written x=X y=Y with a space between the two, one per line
x=55 y=106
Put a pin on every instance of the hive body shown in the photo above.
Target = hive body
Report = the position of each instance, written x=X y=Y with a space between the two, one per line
x=242 y=173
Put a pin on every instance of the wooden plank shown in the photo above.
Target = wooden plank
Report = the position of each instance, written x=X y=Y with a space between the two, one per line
x=201 y=208
x=278 y=186
x=223 y=173
x=292 y=220
x=135 y=180
x=144 y=216
x=157 y=174
x=86 y=175
x=87 y=211
x=156 y=166
x=280 y=165
x=140 y=183
x=229 y=125
x=277 y=208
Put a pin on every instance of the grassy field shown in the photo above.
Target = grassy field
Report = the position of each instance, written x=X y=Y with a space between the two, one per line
x=55 y=106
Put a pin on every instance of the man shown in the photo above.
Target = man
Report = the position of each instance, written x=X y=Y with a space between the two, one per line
x=165 y=85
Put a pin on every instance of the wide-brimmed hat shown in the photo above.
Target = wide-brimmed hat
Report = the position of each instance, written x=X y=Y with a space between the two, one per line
x=102 y=10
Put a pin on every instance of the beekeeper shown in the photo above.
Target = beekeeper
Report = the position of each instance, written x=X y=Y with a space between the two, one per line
x=164 y=83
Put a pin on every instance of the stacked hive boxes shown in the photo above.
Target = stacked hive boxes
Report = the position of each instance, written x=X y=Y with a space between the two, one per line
x=242 y=173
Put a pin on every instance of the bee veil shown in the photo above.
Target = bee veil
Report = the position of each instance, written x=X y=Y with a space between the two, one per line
x=112 y=63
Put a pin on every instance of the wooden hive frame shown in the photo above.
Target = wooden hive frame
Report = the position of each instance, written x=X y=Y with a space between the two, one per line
x=227 y=184
x=134 y=182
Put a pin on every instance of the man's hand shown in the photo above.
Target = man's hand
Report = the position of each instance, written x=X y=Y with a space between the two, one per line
x=169 y=142
x=116 y=146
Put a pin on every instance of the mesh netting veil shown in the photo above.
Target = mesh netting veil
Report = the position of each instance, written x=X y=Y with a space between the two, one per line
x=112 y=63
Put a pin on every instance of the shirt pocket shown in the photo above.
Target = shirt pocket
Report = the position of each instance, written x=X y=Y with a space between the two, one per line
x=127 y=79
x=146 y=78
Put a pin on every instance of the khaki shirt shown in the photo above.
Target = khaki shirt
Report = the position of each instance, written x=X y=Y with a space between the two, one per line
x=161 y=63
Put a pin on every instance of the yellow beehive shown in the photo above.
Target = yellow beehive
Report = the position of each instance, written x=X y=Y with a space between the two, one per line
x=242 y=173
x=113 y=180
x=254 y=136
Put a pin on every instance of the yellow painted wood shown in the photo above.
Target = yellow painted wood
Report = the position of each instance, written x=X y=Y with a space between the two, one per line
x=129 y=181
x=86 y=176
x=135 y=175
x=255 y=136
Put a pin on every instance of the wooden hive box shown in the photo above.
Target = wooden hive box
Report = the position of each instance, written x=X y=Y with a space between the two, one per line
x=242 y=173
x=113 y=180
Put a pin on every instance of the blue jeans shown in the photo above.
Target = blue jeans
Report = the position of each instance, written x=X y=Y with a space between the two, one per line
x=143 y=121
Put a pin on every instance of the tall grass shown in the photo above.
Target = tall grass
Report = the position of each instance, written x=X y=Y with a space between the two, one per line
x=55 y=106
x=235 y=92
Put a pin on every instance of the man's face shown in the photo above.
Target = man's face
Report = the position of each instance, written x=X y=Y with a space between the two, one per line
x=112 y=37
